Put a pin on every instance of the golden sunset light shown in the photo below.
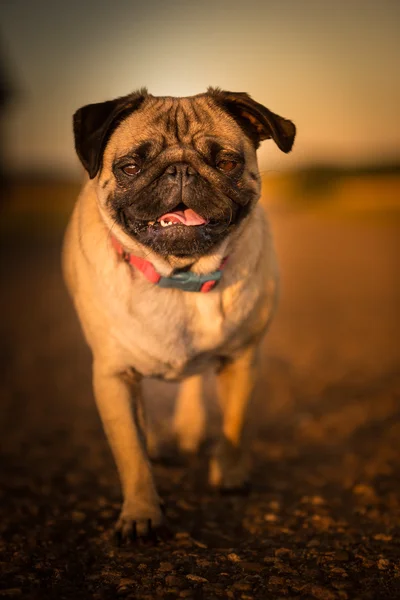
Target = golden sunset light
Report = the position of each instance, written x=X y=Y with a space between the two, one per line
x=200 y=299
x=332 y=67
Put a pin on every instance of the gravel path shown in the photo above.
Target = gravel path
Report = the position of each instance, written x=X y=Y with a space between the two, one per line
x=322 y=520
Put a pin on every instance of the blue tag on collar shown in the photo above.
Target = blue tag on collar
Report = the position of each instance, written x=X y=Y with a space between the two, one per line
x=189 y=282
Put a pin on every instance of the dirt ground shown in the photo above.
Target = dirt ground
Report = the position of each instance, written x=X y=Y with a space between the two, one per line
x=322 y=520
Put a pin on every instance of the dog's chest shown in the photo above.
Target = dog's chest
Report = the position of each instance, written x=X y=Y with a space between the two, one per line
x=177 y=337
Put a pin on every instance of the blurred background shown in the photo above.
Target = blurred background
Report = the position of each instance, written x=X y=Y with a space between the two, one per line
x=331 y=67
x=330 y=376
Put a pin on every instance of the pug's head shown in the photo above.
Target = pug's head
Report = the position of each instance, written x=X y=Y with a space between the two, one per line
x=177 y=174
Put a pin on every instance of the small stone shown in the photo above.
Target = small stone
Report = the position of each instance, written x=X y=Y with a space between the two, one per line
x=281 y=552
x=125 y=583
x=110 y=574
x=322 y=521
x=181 y=535
x=184 y=543
x=317 y=500
x=383 y=564
x=362 y=489
x=339 y=584
x=199 y=544
x=313 y=500
x=196 y=578
x=284 y=568
x=252 y=566
x=297 y=585
x=339 y=571
x=270 y=518
x=276 y=582
x=234 y=557
x=242 y=586
x=382 y=537
x=367 y=563
x=166 y=566
x=202 y=562
x=322 y=593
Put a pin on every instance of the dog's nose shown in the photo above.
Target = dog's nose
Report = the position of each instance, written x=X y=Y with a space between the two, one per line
x=180 y=173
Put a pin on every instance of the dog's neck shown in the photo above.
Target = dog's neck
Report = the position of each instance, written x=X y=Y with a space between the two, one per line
x=197 y=264
x=184 y=279
x=169 y=265
x=178 y=263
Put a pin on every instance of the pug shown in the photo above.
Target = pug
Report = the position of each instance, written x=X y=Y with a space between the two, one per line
x=169 y=261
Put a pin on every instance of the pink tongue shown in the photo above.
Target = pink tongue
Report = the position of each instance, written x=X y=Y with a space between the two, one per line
x=187 y=217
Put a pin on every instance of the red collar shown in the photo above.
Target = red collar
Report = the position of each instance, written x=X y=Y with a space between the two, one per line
x=186 y=281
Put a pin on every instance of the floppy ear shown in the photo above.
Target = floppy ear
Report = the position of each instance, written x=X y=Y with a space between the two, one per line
x=94 y=124
x=255 y=119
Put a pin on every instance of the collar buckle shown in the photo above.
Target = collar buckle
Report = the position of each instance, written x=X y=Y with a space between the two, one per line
x=191 y=282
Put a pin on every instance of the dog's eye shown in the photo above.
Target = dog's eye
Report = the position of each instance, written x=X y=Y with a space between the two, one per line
x=226 y=165
x=131 y=169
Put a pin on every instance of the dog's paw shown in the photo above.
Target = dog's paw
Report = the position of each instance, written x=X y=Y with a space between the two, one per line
x=229 y=469
x=135 y=524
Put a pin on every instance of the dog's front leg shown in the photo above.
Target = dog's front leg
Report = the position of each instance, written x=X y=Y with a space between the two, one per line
x=190 y=417
x=230 y=464
x=119 y=404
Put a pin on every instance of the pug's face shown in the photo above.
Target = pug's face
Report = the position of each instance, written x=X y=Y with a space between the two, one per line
x=177 y=174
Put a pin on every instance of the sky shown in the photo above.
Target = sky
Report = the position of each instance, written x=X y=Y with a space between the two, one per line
x=331 y=67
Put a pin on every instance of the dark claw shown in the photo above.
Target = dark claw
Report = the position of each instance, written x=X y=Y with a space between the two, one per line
x=133 y=533
x=131 y=536
x=130 y=530
x=118 y=537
